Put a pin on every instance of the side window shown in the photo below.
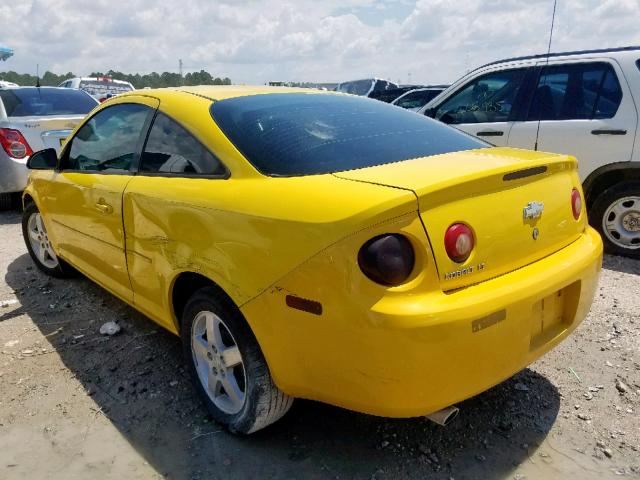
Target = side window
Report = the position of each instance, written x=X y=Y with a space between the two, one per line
x=109 y=141
x=580 y=91
x=488 y=98
x=609 y=97
x=171 y=149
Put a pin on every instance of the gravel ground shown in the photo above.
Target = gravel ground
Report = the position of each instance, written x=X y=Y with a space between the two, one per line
x=75 y=404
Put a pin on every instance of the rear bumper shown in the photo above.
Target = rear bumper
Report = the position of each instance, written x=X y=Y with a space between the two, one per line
x=13 y=174
x=409 y=355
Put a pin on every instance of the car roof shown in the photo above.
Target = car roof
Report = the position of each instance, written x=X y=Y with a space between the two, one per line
x=561 y=54
x=94 y=79
x=222 y=92
x=31 y=87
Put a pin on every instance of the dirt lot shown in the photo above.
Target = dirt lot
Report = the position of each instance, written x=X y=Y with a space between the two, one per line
x=77 y=404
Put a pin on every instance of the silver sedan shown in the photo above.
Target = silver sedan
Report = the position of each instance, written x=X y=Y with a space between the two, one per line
x=33 y=118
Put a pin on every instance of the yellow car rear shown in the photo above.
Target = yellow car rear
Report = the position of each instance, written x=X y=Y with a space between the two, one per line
x=317 y=245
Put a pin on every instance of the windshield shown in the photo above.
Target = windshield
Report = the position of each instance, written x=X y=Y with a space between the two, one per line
x=417 y=99
x=104 y=87
x=33 y=101
x=294 y=134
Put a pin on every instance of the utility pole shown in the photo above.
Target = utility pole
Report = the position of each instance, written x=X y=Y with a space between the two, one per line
x=180 y=69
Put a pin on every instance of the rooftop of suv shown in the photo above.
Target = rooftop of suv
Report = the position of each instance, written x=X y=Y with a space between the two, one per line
x=561 y=54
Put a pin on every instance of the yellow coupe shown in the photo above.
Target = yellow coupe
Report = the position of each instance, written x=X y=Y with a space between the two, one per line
x=318 y=245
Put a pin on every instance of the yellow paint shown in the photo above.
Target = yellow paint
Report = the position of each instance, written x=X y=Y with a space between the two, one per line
x=399 y=351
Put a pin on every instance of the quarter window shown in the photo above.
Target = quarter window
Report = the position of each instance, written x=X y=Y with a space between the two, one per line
x=576 y=92
x=171 y=149
x=489 y=98
x=109 y=141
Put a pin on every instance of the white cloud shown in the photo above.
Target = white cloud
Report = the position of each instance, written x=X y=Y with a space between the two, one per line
x=306 y=40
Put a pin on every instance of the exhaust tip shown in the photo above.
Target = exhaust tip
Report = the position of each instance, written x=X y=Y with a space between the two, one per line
x=445 y=416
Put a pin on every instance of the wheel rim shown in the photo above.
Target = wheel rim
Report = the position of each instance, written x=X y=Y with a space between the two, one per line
x=39 y=241
x=218 y=362
x=621 y=222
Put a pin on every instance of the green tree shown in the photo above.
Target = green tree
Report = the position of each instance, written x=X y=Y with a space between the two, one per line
x=153 y=79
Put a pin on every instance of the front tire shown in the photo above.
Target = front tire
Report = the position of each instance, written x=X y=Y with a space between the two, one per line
x=227 y=365
x=39 y=246
x=616 y=215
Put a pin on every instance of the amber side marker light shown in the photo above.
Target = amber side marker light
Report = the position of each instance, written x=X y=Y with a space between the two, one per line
x=303 y=304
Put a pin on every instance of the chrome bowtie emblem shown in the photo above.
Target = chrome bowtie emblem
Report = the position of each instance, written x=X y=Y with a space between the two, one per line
x=533 y=210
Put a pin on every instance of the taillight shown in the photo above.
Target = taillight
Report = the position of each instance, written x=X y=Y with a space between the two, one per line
x=14 y=143
x=576 y=203
x=459 y=242
x=387 y=259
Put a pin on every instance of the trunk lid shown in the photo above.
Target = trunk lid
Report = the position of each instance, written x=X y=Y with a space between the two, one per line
x=45 y=132
x=488 y=189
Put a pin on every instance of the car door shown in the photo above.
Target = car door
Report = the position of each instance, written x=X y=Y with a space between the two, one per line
x=162 y=231
x=486 y=106
x=583 y=108
x=84 y=198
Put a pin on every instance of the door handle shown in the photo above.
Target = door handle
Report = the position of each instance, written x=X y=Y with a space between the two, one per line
x=104 y=207
x=608 y=132
x=490 y=133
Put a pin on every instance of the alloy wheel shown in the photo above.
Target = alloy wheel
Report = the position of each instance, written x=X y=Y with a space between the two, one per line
x=218 y=362
x=39 y=241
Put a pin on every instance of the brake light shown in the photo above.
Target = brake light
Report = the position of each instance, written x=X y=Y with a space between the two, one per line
x=459 y=242
x=14 y=143
x=576 y=203
x=387 y=259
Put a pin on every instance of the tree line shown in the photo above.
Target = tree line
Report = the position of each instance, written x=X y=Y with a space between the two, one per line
x=153 y=79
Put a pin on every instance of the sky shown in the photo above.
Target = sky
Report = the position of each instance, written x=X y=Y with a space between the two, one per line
x=255 y=41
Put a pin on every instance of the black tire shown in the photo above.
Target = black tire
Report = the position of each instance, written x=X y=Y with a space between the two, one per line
x=6 y=201
x=264 y=403
x=62 y=269
x=599 y=209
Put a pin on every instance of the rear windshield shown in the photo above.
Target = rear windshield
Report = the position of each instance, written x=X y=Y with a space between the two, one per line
x=304 y=134
x=32 y=101
x=104 y=87
x=357 y=87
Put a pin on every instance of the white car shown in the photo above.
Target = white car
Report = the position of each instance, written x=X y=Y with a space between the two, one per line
x=4 y=84
x=31 y=119
x=100 y=88
x=582 y=103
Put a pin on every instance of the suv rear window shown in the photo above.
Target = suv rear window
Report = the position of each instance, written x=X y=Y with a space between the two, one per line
x=104 y=87
x=33 y=101
x=305 y=134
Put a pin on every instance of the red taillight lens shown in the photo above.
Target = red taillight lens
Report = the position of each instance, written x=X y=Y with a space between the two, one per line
x=459 y=242
x=14 y=143
x=576 y=203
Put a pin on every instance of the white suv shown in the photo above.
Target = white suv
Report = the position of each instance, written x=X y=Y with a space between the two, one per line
x=582 y=103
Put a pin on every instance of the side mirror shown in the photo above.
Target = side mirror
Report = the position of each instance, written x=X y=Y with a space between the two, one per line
x=46 y=159
x=430 y=112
